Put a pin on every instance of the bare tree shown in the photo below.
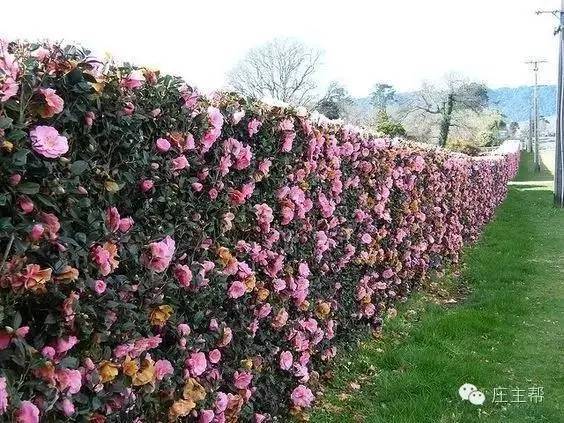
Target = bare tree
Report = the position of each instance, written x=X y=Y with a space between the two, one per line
x=445 y=103
x=382 y=95
x=283 y=69
x=336 y=101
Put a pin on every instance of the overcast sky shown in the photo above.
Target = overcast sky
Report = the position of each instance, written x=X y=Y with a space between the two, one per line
x=401 y=42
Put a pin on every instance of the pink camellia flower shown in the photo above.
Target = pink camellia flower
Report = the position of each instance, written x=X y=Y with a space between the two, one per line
x=46 y=141
x=183 y=329
x=25 y=204
x=302 y=396
x=112 y=219
x=183 y=274
x=54 y=103
x=128 y=108
x=105 y=257
x=259 y=418
x=3 y=396
x=163 y=368
x=62 y=345
x=236 y=290
x=286 y=360
x=236 y=197
x=366 y=238
x=264 y=166
x=68 y=407
x=48 y=352
x=206 y=416
x=196 y=186
x=146 y=185
x=99 y=286
x=159 y=255
x=253 y=127
x=388 y=273
x=197 y=363
x=286 y=125
x=41 y=53
x=36 y=232
x=181 y=162
x=134 y=80
x=162 y=145
x=8 y=89
x=214 y=356
x=215 y=117
x=242 y=380
x=190 y=143
x=243 y=158
x=221 y=402
x=69 y=379
x=15 y=179
x=237 y=116
x=28 y=413
x=288 y=141
x=89 y=118
x=125 y=224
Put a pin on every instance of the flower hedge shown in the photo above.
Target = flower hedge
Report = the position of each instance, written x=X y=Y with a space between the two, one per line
x=167 y=255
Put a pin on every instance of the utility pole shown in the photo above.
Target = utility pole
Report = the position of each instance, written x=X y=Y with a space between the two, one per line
x=536 y=156
x=559 y=144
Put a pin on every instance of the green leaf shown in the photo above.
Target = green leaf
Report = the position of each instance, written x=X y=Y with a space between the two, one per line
x=16 y=323
x=20 y=157
x=78 y=167
x=29 y=188
x=5 y=122
x=16 y=135
x=6 y=224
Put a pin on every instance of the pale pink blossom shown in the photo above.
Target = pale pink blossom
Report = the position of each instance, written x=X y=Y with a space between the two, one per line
x=183 y=275
x=206 y=416
x=181 y=162
x=25 y=204
x=3 y=396
x=62 y=345
x=99 y=286
x=302 y=396
x=15 y=179
x=237 y=289
x=36 y=232
x=242 y=380
x=68 y=407
x=134 y=80
x=8 y=89
x=253 y=127
x=197 y=363
x=159 y=255
x=162 y=145
x=163 y=368
x=69 y=380
x=28 y=413
x=54 y=103
x=215 y=117
x=214 y=356
x=146 y=185
x=46 y=141
x=286 y=360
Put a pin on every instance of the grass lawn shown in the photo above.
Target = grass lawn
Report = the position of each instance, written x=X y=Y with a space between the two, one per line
x=498 y=322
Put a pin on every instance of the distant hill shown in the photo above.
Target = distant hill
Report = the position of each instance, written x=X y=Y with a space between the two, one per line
x=515 y=103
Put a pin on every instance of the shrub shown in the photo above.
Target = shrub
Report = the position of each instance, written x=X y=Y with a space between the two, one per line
x=169 y=255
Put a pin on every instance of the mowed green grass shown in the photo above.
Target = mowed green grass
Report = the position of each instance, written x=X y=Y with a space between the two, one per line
x=506 y=330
